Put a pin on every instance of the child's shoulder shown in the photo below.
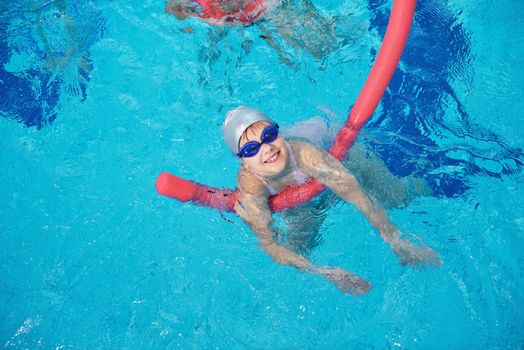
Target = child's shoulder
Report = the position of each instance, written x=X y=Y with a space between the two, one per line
x=301 y=143
x=305 y=152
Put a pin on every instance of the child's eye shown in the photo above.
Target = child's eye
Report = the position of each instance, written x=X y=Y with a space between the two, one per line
x=269 y=135
x=251 y=147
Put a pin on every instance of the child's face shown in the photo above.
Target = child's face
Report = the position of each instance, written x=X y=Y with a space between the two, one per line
x=271 y=159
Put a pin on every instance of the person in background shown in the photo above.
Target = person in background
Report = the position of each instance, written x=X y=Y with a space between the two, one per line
x=297 y=22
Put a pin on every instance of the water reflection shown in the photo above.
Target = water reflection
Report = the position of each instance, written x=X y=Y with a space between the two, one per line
x=424 y=129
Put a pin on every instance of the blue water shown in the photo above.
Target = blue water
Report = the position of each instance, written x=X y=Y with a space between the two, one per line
x=98 y=98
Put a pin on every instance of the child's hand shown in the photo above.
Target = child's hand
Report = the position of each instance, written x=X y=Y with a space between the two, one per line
x=413 y=254
x=344 y=281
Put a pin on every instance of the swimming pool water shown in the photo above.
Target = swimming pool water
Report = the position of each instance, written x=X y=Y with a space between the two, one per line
x=97 y=99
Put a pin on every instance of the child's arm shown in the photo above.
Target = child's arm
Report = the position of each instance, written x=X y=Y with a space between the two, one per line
x=331 y=172
x=252 y=207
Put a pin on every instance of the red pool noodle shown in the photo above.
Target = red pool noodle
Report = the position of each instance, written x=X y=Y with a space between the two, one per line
x=387 y=60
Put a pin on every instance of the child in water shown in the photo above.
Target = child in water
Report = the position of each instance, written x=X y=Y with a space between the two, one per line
x=270 y=163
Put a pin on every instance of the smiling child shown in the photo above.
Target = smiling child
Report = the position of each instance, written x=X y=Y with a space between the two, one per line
x=270 y=163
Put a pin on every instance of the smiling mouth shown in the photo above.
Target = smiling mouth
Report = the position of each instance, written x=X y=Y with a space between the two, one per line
x=273 y=158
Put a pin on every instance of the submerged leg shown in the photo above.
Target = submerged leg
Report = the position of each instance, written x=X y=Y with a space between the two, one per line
x=376 y=179
x=268 y=37
x=300 y=25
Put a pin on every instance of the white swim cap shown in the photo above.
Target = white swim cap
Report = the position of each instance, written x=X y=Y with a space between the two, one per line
x=237 y=121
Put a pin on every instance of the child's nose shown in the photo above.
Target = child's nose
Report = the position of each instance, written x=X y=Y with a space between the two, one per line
x=267 y=148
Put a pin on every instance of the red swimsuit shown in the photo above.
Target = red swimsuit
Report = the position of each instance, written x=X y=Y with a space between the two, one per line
x=232 y=11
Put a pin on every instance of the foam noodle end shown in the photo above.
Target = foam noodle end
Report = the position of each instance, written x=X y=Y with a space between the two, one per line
x=175 y=187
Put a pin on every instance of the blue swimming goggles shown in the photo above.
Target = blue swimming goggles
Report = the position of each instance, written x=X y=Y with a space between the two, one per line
x=251 y=148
